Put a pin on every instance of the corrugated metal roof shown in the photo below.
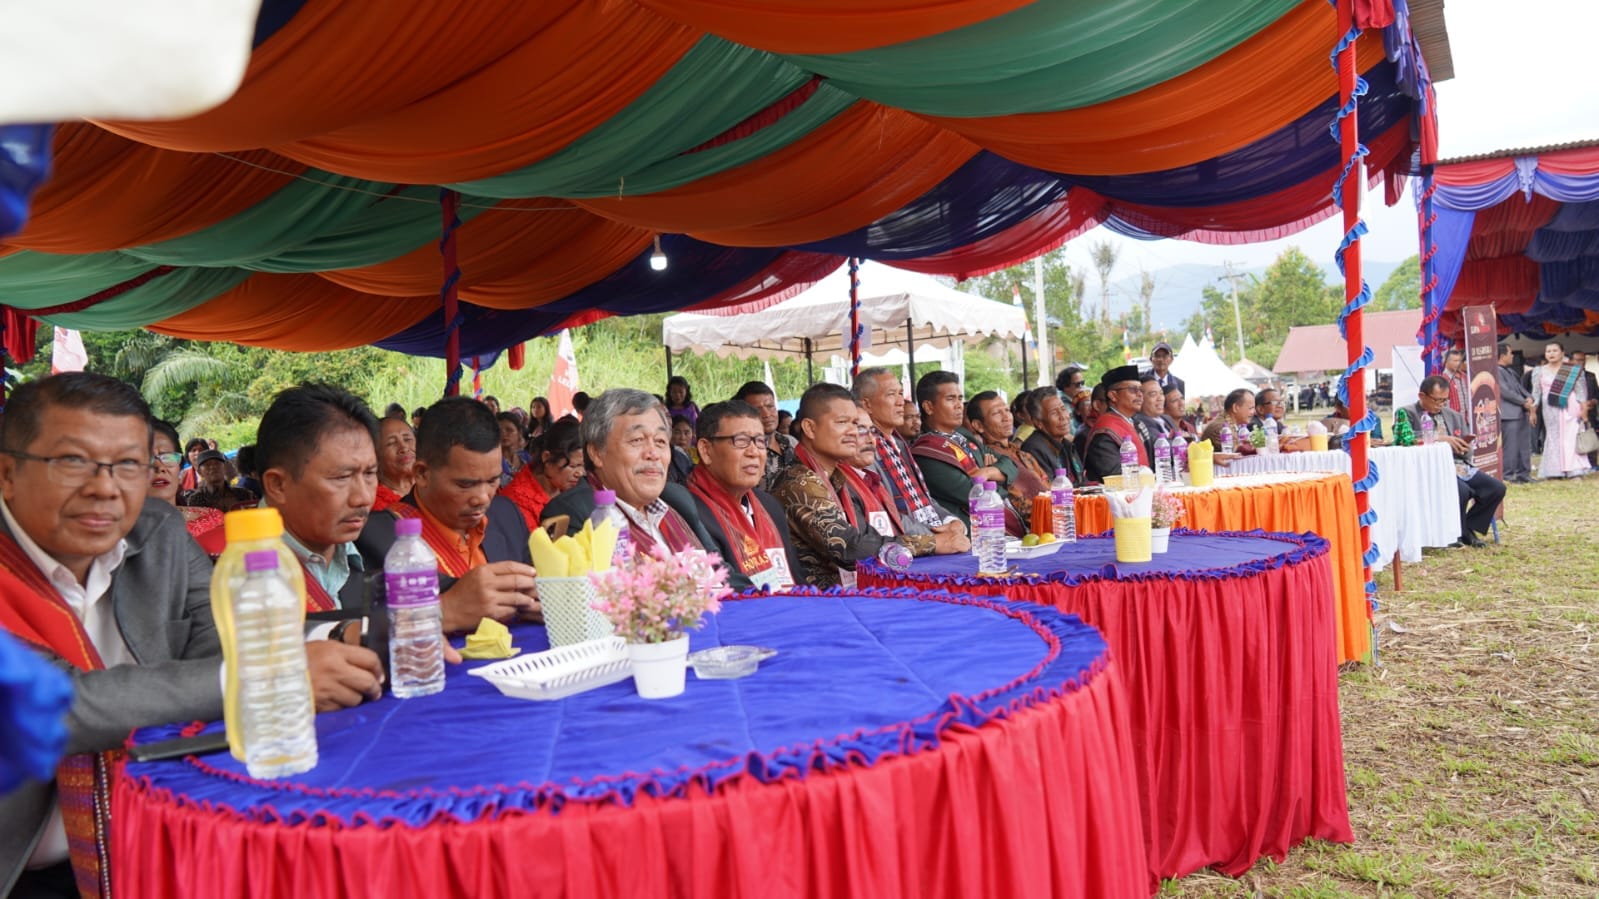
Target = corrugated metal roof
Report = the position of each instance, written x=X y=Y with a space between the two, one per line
x=1427 y=24
x=1513 y=152
x=1319 y=348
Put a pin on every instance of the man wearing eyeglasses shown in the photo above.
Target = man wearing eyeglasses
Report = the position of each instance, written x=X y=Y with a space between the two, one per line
x=1125 y=395
x=746 y=525
x=1481 y=491
x=627 y=445
x=108 y=586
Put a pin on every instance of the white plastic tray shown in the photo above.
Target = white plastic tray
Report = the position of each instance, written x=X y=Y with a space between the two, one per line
x=1015 y=550
x=560 y=672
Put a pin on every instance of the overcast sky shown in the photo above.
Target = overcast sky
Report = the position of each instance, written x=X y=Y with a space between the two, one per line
x=1522 y=79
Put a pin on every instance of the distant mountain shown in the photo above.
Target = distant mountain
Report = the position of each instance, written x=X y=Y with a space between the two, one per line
x=1178 y=289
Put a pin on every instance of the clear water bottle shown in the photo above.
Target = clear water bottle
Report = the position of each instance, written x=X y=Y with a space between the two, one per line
x=894 y=556
x=988 y=532
x=1163 y=469
x=416 y=635
x=1062 y=508
x=1179 y=457
x=1130 y=467
x=276 y=711
x=1429 y=430
x=1243 y=436
x=605 y=510
x=1229 y=440
x=1270 y=427
x=972 y=499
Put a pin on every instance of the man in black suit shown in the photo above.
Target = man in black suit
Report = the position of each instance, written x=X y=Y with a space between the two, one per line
x=1160 y=359
x=1591 y=412
x=480 y=538
x=746 y=525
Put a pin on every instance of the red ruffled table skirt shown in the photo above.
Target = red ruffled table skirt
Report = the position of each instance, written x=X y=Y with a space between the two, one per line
x=1234 y=702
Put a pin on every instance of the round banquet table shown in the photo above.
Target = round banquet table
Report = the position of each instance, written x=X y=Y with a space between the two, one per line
x=1415 y=497
x=900 y=744
x=1227 y=649
x=1294 y=502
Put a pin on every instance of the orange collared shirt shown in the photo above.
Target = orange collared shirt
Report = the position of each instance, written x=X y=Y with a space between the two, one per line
x=468 y=549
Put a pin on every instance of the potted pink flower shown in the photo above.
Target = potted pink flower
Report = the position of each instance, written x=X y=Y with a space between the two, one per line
x=1164 y=513
x=652 y=603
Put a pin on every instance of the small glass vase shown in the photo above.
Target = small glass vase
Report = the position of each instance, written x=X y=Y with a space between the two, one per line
x=659 y=669
x=1159 y=539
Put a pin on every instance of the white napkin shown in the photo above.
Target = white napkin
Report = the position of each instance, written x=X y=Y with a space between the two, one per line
x=1316 y=428
x=1131 y=505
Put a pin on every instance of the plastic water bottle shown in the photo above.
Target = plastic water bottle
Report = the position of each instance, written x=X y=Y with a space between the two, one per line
x=247 y=531
x=605 y=510
x=416 y=635
x=988 y=532
x=1244 y=438
x=1062 y=508
x=1429 y=430
x=972 y=498
x=1130 y=468
x=1163 y=469
x=894 y=556
x=1229 y=441
x=1270 y=427
x=1179 y=457
x=276 y=711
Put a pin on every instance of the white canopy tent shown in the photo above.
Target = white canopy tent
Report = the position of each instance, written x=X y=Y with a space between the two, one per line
x=1203 y=372
x=900 y=309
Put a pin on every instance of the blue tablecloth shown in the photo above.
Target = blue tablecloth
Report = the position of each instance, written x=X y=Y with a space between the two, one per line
x=858 y=675
x=1090 y=558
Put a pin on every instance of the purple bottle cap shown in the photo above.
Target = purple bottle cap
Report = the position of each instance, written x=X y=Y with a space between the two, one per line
x=408 y=527
x=605 y=497
x=261 y=560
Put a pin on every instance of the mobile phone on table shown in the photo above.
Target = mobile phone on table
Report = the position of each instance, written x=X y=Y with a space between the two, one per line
x=177 y=748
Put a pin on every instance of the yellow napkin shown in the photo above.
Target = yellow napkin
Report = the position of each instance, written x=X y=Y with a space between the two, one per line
x=491 y=640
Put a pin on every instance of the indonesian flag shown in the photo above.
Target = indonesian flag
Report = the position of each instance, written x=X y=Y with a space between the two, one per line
x=67 y=354
x=563 y=380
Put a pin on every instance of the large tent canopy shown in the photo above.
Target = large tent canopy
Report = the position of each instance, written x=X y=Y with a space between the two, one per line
x=530 y=156
x=1518 y=229
x=1203 y=372
x=889 y=300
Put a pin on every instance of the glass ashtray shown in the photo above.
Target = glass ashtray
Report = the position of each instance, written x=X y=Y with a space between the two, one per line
x=728 y=662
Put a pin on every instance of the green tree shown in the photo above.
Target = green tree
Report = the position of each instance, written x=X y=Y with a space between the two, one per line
x=1104 y=255
x=1073 y=336
x=1293 y=291
x=1402 y=289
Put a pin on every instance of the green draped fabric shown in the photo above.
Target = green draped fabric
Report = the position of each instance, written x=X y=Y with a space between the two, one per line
x=1048 y=56
x=30 y=280
x=713 y=87
x=159 y=298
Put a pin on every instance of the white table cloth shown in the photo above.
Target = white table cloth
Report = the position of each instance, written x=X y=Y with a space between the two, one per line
x=1415 y=497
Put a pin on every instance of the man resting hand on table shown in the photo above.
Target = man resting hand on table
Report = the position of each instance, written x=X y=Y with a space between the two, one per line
x=480 y=538
x=111 y=588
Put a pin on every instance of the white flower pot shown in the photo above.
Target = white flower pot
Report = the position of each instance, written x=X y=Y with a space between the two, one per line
x=1158 y=539
x=659 y=669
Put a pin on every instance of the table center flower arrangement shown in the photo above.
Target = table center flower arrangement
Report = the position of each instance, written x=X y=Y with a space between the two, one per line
x=1164 y=513
x=652 y=604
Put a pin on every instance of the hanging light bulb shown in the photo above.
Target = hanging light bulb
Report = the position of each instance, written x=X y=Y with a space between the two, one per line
x=658 y=258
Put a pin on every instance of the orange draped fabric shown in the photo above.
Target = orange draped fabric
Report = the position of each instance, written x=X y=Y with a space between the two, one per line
x=1247 y=93
x=484 y=89
x=834 y=180
x=511 y=259
x=829 y=26
x=1325 y=506
x=304 y=313
x=106 y=192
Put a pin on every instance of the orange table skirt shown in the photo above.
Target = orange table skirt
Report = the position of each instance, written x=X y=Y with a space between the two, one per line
x=1323 y=504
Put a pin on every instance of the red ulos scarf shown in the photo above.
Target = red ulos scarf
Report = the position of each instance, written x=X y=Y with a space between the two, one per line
x=1115 y=424
x=35 y=613
x=750 y=540
x=385 y=498
x=528 y=494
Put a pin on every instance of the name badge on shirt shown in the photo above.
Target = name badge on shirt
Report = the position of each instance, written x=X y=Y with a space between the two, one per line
x=882 y=524
x=775 y=576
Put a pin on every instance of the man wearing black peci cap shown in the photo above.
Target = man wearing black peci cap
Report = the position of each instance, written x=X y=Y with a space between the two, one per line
x=1125 y=396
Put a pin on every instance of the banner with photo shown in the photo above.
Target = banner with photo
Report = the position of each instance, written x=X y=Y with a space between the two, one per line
x=1482 y=375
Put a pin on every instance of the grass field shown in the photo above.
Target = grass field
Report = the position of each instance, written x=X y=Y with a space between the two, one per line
x=1472 y=747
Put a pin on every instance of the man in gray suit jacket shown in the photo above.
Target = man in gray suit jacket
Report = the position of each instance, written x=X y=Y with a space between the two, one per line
x=1482 y=491
x=105 y=584
x=1515 y=433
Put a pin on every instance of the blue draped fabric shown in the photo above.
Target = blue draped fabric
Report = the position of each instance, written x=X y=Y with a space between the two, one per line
x=274 y=15
x=34 y=698
x=24 y=164
x=1192 y=555
x=858 y=676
